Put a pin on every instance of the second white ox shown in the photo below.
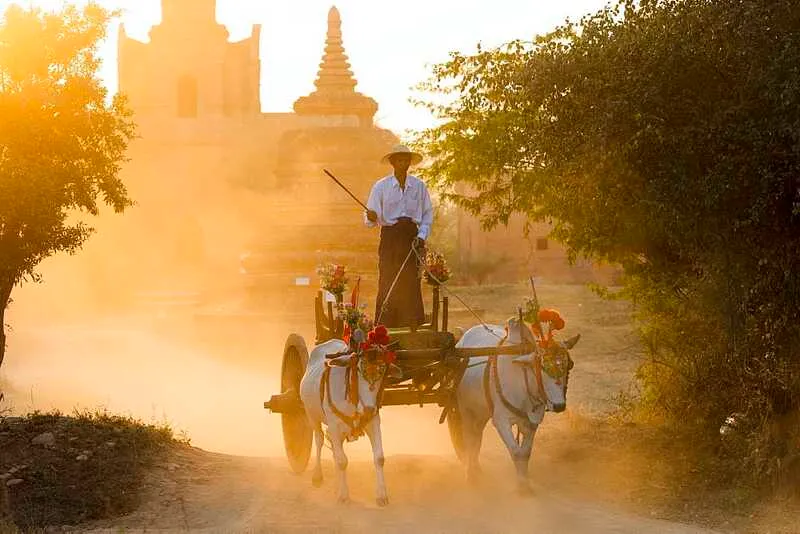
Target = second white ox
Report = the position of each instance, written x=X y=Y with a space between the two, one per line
x=514 y=392
x=344 y=393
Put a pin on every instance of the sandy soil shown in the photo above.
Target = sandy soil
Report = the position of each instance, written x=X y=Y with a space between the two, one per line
x=203 y=492
x=210 y=381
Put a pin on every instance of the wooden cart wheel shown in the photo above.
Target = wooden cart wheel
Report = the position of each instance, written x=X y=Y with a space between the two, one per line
x=456 y=435
x=297 y=433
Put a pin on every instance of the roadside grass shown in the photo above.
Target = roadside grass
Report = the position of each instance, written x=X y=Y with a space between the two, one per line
x=65 y=470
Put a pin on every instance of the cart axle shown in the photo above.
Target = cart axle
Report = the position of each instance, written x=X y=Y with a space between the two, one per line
x=287 y=402
x=290 y=403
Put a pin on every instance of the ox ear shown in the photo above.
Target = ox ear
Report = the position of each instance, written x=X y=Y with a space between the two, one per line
x=394 y=371
x=571 y=342
x=341 y=361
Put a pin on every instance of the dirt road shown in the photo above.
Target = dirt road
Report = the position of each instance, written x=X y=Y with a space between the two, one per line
x=204 y=492
x=215 y=391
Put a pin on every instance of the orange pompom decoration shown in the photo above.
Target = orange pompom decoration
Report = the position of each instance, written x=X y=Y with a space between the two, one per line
x=552 y=317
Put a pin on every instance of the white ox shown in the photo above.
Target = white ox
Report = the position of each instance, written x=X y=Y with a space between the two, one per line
x=328 y=397
x=513 y=391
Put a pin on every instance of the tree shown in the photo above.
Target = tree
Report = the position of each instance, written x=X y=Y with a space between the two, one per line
x=61 y=142
x=661 y=135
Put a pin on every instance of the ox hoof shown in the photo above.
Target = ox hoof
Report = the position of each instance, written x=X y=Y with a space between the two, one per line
x=344 y=500
x=316 y=480
x=382 y=501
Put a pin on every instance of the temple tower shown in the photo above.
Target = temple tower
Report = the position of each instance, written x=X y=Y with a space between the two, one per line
x=337 y=133
x=189 y=69
x=335 y=95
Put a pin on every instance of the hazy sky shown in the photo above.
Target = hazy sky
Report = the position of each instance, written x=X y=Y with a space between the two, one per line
x=390 y=44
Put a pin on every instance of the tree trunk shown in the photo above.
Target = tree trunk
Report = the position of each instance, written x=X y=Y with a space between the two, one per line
x=2 y=334
x=5 y=511
x=5 y=295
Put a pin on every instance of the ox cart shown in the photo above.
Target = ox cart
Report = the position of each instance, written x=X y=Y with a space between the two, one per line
x=432 y=367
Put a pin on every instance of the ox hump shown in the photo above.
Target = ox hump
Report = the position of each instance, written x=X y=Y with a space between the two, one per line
x=479 y=336
x=317 y=356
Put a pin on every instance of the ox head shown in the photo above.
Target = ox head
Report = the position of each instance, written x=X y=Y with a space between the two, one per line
x=550 y=363
x=371 y=367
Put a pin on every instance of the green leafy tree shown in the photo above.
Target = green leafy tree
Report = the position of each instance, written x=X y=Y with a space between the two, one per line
x=61 y=142
x=664 y=136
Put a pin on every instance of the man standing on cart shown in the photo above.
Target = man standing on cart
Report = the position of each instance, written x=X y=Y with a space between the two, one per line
x=401 y=205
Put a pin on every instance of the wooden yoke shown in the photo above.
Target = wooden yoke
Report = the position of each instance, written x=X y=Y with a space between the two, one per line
x=465 y=352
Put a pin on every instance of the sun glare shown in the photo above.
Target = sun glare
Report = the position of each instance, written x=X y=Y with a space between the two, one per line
x=390 y=50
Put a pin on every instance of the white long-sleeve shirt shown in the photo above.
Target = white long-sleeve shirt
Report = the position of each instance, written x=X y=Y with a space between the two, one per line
x=391 y=202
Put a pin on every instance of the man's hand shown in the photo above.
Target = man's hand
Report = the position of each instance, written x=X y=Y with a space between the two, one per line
x=372 y=216
x=419 y=244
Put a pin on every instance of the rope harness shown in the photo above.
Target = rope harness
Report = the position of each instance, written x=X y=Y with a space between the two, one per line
x=491 y=372
x=356 y=422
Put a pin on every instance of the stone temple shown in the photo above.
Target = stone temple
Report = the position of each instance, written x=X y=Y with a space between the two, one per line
x=233 y=201
x=215 y=178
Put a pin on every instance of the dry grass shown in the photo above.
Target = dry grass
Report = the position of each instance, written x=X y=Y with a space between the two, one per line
x=68 y=470
x=665 y=474
x=651 y=470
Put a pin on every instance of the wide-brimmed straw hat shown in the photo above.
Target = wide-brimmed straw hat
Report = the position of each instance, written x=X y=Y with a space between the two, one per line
x=403 y=149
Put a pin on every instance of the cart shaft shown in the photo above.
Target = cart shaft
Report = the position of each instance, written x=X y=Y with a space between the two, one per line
x=465 y=352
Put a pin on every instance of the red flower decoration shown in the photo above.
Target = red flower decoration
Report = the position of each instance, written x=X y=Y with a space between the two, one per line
x=379 y=336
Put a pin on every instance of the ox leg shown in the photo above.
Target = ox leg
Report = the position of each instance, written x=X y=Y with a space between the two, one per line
x=523 y=459
x=520 y=451
x=472 y=428
x=319 y=441
x=337 y=442
x=374 y=434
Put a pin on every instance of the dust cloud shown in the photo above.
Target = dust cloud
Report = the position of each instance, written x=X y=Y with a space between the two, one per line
x=210 y=391
x=155 y=319
x=153 y=323
x=216 y=403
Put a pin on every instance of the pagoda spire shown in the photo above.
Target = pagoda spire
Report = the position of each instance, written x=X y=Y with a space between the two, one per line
x=334 y=70
x=335 y=92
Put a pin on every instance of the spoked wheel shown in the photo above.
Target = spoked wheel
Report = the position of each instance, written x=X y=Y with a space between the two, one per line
x=297 y=432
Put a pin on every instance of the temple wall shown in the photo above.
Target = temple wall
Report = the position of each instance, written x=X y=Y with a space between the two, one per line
x=214 y=178
x=505 y=254
x=201 y=65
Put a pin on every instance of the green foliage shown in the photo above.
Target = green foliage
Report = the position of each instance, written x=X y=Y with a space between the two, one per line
x=61 y=142
x=661 y=135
